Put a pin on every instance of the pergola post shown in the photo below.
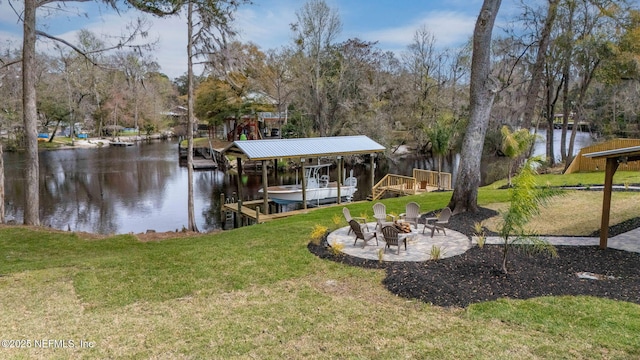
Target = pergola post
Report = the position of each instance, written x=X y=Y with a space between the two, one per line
x=610 y=170
x=304 y=186
x=373 y=172
x=265 y=183
x=239 y=217
x=339 y=182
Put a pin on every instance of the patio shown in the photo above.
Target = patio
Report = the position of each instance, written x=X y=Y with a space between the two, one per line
x=418 y=246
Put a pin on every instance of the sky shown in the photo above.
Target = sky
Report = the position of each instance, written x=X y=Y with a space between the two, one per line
x=266 y=23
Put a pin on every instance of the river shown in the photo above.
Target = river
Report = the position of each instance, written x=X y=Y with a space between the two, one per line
x=115 y=190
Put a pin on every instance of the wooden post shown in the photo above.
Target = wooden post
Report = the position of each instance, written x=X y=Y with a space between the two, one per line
x=304 y=186
x=265 y=183
x=223 y=217
x=258 y=214
x=339 y=177
x=373 y=173
x=239 y=182
x=612 y=166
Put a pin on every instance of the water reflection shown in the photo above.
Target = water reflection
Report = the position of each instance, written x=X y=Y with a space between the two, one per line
x=115 y=190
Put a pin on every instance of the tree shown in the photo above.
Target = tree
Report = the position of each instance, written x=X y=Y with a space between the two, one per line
x=30 y=115
x=215 y=100
x=482 y=92
x=440 y=135
x=515 y=144
x=421 y=62
x=208 y=28
x=537 y=71
x=316 y=29
x=525 y=201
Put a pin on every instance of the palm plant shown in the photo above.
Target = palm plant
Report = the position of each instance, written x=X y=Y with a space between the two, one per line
x=514 y=144
x=525 y=201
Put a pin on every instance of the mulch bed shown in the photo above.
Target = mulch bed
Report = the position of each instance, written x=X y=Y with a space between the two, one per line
x=475 y=276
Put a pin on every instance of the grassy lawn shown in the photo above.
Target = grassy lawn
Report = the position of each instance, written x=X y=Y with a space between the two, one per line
x=256 y=292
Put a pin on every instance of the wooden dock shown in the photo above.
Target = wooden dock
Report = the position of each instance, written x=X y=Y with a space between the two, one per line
x=250 y=210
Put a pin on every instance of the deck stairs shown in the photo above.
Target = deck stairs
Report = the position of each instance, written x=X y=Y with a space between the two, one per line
x=400 y=185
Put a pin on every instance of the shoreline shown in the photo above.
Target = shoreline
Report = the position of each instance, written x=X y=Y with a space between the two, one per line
x=98 y=142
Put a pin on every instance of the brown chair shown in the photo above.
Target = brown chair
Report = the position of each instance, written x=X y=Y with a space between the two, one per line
x=364 y=236
x=411 y=214
x=437 y=223
x=348 y=217
x=380 y=213
x=391 y=236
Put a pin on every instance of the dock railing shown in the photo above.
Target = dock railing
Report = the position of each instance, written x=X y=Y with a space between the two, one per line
x=422 y=180
x=429 y=179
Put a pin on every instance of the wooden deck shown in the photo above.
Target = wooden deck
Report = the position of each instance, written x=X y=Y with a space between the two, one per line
x=204 y=164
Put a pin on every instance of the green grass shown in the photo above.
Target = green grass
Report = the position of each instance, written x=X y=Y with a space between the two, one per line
x=257 y=292
x=575 y=179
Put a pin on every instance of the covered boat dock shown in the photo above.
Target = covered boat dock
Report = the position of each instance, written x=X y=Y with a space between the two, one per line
x=301 y=149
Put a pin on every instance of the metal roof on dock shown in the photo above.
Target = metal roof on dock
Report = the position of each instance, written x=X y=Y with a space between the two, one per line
x=305 y=147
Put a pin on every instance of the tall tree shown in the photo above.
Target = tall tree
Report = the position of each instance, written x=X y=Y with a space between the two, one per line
x=30 y=115
x=482 y=92
x=316 y=29
x=209 y=28
x=537 y=71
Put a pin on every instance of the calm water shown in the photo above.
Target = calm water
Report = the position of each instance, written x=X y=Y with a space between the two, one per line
x=129 y=189
x=133 y=189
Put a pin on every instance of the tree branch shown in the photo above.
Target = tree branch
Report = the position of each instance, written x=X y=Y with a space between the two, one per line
x=75 y=48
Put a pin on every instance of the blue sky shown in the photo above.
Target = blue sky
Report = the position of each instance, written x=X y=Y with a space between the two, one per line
x=266 y=23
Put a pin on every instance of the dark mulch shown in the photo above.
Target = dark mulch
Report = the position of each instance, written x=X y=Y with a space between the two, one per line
x=475 y=276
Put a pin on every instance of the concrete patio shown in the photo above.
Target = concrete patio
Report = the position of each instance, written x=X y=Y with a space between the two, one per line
x=418 y=246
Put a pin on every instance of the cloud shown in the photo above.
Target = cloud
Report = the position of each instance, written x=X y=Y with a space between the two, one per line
x=450 y=29
x=266 y=27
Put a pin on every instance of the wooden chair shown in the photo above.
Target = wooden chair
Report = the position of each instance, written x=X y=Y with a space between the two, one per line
x=348 y=217
x=437 y=223
x=411 y=214
x=380 y=214
x=391 y=237
x=364 y=236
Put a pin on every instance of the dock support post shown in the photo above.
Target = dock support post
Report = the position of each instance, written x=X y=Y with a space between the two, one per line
x=373 y=172
x=304 y=186
x=239 y=217
x=265 y=181
x=257 y=214
x=223 y=216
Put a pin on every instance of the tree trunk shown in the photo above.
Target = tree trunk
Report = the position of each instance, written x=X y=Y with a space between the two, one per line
x=2 y=219
x=538 y=66
x=482 y=93
x=190 y=120
x=30 y=116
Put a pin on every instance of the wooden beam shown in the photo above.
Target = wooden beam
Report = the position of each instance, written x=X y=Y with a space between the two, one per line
x=612 y=166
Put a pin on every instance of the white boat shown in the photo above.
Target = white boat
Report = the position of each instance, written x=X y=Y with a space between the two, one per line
x=318 y=188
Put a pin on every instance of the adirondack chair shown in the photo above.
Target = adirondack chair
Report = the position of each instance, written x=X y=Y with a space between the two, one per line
x=348 y=217
x=362 y=235
x=391 y=236
x=380 y=214
x=411 y=214
x=437 y=223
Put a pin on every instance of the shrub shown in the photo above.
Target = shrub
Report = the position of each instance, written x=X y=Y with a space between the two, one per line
x=318 y=233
